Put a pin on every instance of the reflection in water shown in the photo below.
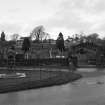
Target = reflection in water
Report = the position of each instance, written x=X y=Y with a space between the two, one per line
x=90 y=81
x=86 y=91
x=13 y=98
x=10 y=98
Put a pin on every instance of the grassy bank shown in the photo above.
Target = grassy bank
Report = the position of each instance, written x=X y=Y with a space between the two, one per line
x=33 y=80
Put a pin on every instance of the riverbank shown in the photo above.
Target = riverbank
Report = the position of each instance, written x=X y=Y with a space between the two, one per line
x=34 y=79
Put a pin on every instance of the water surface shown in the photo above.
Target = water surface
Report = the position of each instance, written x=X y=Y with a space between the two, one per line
x=86 y=91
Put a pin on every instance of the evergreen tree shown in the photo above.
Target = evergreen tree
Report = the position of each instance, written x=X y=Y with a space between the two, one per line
x=26 y=45
x=60 y=42
x=2 y=36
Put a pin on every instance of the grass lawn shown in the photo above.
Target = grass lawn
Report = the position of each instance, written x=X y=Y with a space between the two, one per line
x=34 y=79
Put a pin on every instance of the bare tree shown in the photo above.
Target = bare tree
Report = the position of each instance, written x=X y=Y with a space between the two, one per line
x=93 y=37
x=38 y=33
x=15 y=37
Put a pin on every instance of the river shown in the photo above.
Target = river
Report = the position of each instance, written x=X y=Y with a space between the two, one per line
x=86 y=91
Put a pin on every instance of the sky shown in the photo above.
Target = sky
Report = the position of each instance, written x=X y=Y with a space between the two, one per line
x=66 y=16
